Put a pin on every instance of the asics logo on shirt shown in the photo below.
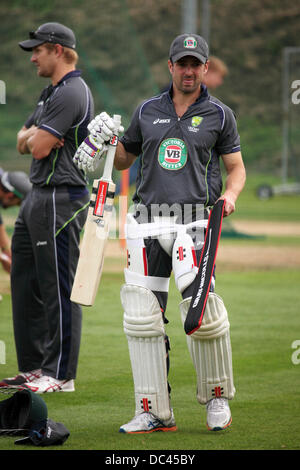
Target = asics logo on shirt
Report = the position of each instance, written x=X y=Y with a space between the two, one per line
x=161 y=121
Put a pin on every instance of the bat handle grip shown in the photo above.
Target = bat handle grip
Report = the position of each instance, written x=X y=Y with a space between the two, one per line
x=109 y=162
x=117 y=119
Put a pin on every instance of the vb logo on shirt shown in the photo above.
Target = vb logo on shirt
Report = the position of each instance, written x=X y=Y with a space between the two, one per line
x=172 y=154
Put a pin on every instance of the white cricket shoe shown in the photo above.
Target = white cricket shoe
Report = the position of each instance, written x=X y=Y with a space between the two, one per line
x=147 y=422
x=21 y=378
x=218 y=414
x=46 y=384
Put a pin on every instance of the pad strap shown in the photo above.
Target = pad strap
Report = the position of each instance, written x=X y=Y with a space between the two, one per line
x=153 y=283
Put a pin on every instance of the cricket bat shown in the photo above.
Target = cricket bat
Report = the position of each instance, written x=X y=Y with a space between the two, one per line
x=96 y=231
x=206 y=268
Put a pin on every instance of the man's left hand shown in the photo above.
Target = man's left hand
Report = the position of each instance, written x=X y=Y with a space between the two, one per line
x=230 y=203
x=89 y=154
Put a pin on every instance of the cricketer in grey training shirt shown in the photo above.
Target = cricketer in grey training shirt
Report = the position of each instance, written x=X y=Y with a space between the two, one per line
x=65 y=111
x=180 y=157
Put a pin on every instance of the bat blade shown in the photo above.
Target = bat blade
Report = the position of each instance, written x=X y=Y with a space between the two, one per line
x=96 y=231
x=92 y=249
x=206 y=267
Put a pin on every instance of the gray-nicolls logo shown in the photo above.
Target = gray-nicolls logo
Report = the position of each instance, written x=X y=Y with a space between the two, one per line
x=205 y=261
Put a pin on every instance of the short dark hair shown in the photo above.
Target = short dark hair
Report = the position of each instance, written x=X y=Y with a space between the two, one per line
x=70 y=55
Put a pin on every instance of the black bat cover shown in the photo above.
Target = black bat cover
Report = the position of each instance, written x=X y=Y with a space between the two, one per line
x=206 y=268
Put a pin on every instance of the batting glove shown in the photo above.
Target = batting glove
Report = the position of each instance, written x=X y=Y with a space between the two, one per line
x=102 y=127
x=89 y=154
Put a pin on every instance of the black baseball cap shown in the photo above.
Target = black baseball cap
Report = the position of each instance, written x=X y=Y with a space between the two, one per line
x=189 y=44
x=54 y=33
x=16 y=182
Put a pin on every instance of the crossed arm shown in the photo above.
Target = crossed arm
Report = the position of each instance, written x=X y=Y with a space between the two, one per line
x=37 y=142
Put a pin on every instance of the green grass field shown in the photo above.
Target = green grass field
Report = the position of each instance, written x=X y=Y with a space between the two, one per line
x=264 y=316
x=263 y=306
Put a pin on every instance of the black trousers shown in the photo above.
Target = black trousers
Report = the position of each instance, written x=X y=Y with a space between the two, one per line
x=45 y=251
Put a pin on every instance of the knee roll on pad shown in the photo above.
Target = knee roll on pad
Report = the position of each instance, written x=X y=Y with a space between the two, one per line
x=142 y=314
x=210 y=349
x=144 y=328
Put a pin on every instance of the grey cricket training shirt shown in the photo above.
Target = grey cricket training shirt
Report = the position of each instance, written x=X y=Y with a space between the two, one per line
x=179 y=157
x=64 y=111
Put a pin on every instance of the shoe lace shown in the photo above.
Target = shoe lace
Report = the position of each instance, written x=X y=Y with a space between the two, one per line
x=35 y=375
x=148 y=417
x=217 y=404
x=38 y=380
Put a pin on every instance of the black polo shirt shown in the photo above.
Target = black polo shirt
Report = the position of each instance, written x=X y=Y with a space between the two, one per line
x=180 y=157
x=64 y=110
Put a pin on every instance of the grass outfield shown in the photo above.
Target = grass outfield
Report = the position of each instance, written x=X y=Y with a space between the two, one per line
x=259 y=280
x=264 y=315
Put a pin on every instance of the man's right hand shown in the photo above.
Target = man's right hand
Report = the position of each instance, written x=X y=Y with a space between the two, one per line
x=102 y=128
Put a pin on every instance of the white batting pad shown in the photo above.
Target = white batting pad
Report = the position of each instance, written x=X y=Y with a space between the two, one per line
x=210 y=349
x=144 y=328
